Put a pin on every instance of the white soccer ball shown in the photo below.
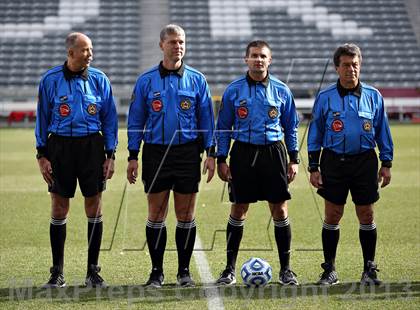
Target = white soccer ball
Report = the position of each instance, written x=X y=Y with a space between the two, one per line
x=256 y=272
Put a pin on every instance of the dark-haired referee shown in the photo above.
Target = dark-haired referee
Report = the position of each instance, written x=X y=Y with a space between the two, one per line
x=348 y=121
x=258 y=111
x=172 y=113
x=76 y=136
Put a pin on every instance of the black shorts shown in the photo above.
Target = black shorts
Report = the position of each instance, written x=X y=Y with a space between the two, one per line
x=259 y=172
x=355 y=173
x=175 y=167
x=77 y=158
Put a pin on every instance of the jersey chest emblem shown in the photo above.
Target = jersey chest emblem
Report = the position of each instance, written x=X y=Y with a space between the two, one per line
x=91 y=109
x=242 y=112
x=273 y=112
x=337 y=125
x=185 y=104
x=64 y=110
x=367 y=126
x=157 y=105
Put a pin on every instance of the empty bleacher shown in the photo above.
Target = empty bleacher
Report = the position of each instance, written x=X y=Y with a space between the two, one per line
x=32 y=35
x=303 y=35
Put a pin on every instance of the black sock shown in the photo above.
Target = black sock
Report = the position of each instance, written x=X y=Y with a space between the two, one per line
x=185 y=238
x=156 y=241
x=58 y=230
x=330 y=237
x=234 y=232
x=283 y=236
x=367 y=236
x=95 y=228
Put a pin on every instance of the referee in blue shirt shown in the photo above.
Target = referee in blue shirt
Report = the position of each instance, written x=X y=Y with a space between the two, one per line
x=172 y=112
x=76 y=136
x=348 y=121
x=258 y=112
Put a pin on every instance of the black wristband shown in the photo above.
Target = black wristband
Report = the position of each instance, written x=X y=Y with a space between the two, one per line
x=211 y=152
x=386 y=164
x=314 y=158
x=110 y=154
x=313 y=168
x=221 y=159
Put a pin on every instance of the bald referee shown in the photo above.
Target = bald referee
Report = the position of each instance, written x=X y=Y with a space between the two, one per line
x=76 y=136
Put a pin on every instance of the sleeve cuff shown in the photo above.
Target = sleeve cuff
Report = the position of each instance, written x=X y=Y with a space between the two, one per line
x=134 y=155
x=314 y=158
x=293 y=156
x=221 y=159
x=386 y=164
x=211 y=151
x=110 y=154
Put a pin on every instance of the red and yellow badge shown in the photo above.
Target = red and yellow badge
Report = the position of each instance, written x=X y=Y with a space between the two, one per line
x=91 y=109
x=185 y=104
x=337 y=125
x=242 y=112
x=367 y=126
x=273 y=112
x=157 y=105
x=64 y=110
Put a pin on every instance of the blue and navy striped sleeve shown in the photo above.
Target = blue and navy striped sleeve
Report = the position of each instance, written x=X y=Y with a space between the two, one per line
x=316 y=127
x=43 y=117
x=206 y=115
x=225 y=122
x=382 y=132
x=137 y=116
x=290 y=121
x=109 y=118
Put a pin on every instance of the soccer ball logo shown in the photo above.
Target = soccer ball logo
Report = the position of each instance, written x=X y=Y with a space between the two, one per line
x=256 y=272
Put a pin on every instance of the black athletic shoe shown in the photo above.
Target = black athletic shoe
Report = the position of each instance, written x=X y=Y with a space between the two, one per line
x=183 y=278
x=56 y=278
x=227 y=277
x=329 y=276
x=369 y=277
x=155 y=279
x=93 y=279
x=288 y=277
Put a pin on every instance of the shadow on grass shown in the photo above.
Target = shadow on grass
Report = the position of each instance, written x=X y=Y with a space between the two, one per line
x=138 y=293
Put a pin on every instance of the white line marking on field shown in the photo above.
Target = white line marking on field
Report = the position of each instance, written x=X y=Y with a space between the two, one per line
x=214 y=301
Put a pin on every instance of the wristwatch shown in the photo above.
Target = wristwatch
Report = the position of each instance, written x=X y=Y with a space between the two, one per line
x=39 y=155
x=295 y=161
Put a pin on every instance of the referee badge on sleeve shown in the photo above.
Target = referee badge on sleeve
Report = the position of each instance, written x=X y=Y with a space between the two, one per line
x=367 y=126
x=157 y=105
x=273 y=112
x=64 y=110
x=185 y=104
x=242 y=112
x=91 y=109
x=337 y=125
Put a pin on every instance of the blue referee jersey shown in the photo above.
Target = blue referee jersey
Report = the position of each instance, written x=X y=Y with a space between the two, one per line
x=258 y=113
x=170 y=107
x=76 y=105
x=349 y=122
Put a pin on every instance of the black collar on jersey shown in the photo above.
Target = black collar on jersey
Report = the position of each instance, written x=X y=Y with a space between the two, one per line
x=344 y=91
x=251 y=81
x=164 y=72
x=68 y=74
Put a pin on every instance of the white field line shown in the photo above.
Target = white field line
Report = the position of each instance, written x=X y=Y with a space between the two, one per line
x=214 y=301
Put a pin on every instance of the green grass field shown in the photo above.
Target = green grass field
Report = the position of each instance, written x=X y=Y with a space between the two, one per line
x=25 y=251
